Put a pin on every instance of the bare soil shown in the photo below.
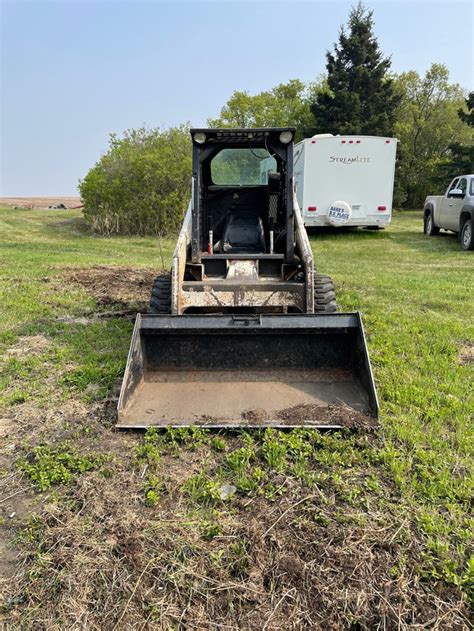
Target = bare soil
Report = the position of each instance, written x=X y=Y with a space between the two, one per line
x=466 y=354
x=29 y=345
x=114 y=285
x=40 y=202
x=309 y=414
x=328 y=415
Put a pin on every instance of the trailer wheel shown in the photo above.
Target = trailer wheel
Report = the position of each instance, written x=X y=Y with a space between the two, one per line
x=160 y=300
x=429 y=226
x=467 y=240
x=324 y=294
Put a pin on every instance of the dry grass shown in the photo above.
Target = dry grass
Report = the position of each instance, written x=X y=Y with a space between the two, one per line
x=98 y=557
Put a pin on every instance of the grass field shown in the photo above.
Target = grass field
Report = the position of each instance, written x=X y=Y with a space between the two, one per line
x=354 y=531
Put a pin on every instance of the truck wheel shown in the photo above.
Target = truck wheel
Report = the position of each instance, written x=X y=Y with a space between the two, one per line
x=429 y=227
x=467 y=242
x=160 y=300
x=324 y=294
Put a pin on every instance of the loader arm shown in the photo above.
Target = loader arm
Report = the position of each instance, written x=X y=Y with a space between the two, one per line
x=180 y=256
x=304 y=247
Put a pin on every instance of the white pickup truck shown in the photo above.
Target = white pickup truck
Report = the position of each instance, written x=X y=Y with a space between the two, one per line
x=452 y=211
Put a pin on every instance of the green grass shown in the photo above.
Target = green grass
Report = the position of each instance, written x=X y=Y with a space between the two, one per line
x=36 y=244
x=48 y=465
x=416 y=297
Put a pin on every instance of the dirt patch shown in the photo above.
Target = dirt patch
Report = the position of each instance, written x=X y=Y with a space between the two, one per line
x=29 y=345
x=312 y=415
x=112 y=285
x=466 y=354
x=330 y=415
x=256 y=416
x=40 y=202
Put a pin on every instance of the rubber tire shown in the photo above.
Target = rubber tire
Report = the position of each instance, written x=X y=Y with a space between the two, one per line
x=160 y=300
x=469 y=244
x=324 y=294
x=429 y=227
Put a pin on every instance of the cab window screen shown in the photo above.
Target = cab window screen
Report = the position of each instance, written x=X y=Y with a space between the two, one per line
x=241 y=167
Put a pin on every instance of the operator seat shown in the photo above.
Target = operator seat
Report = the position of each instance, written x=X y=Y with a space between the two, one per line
x=243 y=233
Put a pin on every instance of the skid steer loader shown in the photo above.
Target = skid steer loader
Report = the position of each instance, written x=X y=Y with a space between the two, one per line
x=243 y=329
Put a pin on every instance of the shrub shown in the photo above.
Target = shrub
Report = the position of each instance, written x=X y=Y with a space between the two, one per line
x=141 y=185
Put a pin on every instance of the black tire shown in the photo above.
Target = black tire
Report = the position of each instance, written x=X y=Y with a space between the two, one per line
x=324 y=294
x=429 y=227
x=466 y=236
x=160 y=300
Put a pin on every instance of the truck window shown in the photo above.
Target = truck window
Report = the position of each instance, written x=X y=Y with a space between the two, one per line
x=462 y=184
x=240 y=167
x=454 y=184
x=471 y=189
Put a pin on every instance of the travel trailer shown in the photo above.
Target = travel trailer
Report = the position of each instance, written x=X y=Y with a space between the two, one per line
x=344 y=180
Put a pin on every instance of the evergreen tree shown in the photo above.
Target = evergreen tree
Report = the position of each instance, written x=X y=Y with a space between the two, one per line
x=461 y=155
x=360 y=99
x=468 y=117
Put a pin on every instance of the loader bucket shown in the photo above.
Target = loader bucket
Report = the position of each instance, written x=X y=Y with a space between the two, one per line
x=245 y=371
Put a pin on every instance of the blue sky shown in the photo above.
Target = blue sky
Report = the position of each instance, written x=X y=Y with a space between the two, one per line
x=72 y=72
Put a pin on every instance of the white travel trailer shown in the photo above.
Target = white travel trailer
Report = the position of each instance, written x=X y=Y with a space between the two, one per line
x=345 y=180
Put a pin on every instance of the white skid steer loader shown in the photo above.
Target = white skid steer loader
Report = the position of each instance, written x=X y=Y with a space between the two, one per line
x=243 y=328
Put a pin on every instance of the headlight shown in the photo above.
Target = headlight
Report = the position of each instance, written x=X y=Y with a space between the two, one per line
x=200 y=138
x=286 y=137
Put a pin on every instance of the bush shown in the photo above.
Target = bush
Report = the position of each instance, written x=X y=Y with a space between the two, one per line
x=141 y=185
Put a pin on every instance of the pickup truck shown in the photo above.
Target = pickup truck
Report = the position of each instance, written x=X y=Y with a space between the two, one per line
x=452 y=211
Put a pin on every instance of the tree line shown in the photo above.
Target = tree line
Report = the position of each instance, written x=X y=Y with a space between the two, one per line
x=141 y=184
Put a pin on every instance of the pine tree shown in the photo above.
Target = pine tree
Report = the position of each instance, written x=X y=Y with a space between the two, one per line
x=461 y=156
x=361 y=97
x=468 y=117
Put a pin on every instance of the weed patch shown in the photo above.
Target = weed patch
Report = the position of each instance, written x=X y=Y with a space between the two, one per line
x=50 y=465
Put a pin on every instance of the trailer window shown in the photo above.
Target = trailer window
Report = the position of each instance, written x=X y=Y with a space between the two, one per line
x=241 y=167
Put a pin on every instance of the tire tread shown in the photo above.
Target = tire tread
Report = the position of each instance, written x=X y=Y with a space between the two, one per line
x=160 y=299
x=324 y=294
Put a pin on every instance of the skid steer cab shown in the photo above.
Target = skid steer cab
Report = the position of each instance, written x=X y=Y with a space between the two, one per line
x=243 y=322
x=243 y=247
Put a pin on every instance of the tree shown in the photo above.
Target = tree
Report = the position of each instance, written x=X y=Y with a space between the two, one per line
x=141 y=185
x=360 y=98
x=468 y=117
x=461 y=156
x=285 y=105
x=427 y=126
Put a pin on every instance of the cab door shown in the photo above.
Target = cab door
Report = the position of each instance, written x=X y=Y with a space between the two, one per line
x=454 y=205
x=446 y=205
